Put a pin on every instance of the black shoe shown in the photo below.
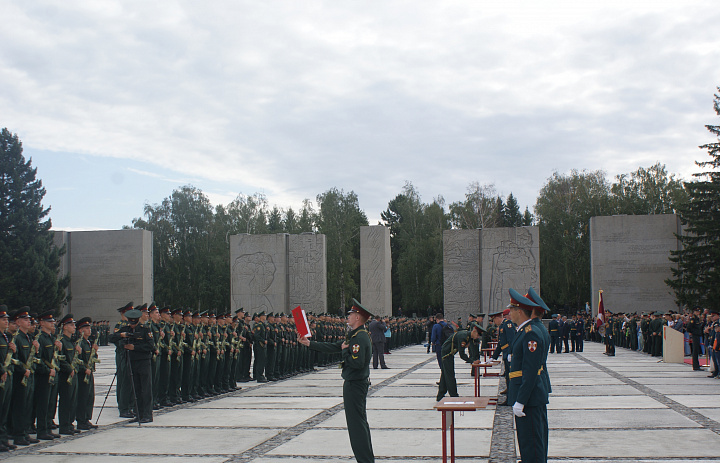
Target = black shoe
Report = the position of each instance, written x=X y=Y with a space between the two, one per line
x=76 y=431
x=385 y=367
x=146 y=420
x=127 y=415
x=32 y=440
x=21 y=441
x=262 y=380
x=712 y=376
x=33 y=429
x=134 y=420
x=156 y=407
x=45 y=437
x=67 y=432
x=90 y=425
x=55 y=436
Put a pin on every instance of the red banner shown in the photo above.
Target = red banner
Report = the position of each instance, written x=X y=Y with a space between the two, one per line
x=301 y=323
x=601 y=312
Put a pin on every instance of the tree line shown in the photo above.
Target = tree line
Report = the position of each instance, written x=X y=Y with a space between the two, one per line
x=191 y=237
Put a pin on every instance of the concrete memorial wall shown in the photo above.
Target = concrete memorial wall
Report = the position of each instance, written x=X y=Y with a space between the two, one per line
x=275 y=273
x=108 y=269
x=629 y=262
x=307 y=267
x=461 y=272
x=510 y=258
x=479 y=266
x=375 y=266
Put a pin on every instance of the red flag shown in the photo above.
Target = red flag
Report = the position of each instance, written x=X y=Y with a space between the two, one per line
x=601 y=313
x=301 y=323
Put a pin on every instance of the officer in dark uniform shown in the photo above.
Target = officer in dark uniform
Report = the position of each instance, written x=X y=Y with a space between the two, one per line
x=123 y=388
x=506 y=334
x=527 y=391
x=695 y=329
x=356 y=351
x=260 y=348
x=554 y=329
x=139 y=344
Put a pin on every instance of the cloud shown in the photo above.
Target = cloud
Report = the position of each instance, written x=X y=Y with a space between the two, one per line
x=291 y=99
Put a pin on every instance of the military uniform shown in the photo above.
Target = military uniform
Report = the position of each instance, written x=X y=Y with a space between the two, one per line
x=260 y=349
x=140 y=337
x=454 y=344
x=355 y=371
x=46 y=386
x=67 y=381
x=527 y=390
x=123 y=388
x=6 y=385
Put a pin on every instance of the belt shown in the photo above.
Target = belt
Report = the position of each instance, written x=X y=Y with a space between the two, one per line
x=516 y=374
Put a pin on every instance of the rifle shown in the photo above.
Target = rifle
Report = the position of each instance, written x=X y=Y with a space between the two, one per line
x=31 y=359
x=76 y=361
x=91 y=363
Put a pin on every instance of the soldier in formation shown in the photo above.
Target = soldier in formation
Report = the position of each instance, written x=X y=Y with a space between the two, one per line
x=46 y=367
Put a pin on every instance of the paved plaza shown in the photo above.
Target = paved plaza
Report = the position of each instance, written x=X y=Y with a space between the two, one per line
x=623 y=408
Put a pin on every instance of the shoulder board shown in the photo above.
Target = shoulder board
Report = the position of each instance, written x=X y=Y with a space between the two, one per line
x=528 y=328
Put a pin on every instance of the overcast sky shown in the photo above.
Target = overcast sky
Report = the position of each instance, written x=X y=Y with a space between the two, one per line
x=119 y=103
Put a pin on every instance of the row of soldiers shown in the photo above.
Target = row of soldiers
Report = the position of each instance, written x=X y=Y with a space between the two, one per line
x=47 y=368
x=621 y=330
x=199 y=354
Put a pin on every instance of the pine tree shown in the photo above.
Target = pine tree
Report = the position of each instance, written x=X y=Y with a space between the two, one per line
x=697 y=277
x=29 y=261
x=513 y=218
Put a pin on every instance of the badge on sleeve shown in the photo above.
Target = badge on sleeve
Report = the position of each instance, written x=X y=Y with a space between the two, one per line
x=532 y=345
x=356 y=348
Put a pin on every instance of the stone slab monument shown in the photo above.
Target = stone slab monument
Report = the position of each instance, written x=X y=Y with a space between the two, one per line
x=461 y=272
x=307 y=270
x=108 y=269
x=276 y=273
x=629 y=262
x=510 y=258
x=375 y=267
x=479 y=266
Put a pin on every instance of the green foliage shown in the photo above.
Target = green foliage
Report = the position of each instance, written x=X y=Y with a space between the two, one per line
x=29 y=261
x=416 y=248
x=563 y=210
x=339 y=218
x=479 y=210
x=697 y=277
x=185 y=250
x=648 y=191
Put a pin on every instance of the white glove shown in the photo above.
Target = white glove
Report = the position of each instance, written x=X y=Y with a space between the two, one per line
x=509 y=358
x=518 y=409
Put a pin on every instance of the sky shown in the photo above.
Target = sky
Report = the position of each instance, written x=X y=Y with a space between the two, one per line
x=118 y=103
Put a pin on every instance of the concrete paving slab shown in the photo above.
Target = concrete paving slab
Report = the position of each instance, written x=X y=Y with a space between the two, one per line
x=393 y=403
x=682 y=389
x=696 y=400
x=604 y=390
x=590 y=380
x=75 y=458
x=626 y=443
x=602 y=402
x=416 y=419
x=290 y=391
x=415 y=391
x=712 y=413
x=275 y=403
x=204 y=417
x=342 y=459
x=572 y=419
x=387 y=443
x=165 y=441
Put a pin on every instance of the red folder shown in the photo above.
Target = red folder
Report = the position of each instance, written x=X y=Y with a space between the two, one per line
x=301 y=322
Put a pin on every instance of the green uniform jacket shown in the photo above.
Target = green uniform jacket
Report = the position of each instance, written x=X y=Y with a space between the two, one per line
x=529 y=354
x=356 y=358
